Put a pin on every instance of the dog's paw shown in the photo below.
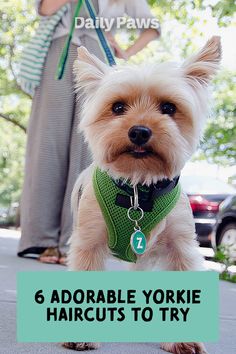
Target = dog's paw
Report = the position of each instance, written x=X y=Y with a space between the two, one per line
x=184 y=348
x=79 y=346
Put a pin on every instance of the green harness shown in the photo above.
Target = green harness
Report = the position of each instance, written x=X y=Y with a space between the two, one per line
x=119 y=227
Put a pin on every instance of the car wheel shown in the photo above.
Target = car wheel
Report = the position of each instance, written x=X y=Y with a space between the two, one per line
x=228 y=239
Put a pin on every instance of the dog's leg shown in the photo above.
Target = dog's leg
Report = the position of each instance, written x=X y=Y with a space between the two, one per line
x=80 y=346
x=176 y=260
x=88 y=243
x=184 y=257
x=184 y=348
x=88 y=248
x=175 y=249
x=182 y=254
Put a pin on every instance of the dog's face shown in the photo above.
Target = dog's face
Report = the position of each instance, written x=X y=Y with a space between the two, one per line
x=143 y=122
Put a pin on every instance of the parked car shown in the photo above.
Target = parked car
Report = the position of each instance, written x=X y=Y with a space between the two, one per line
x=205 y=196
x=225 y=228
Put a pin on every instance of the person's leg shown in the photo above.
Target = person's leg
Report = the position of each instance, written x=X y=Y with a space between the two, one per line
x=80 y=158
x=47 y=157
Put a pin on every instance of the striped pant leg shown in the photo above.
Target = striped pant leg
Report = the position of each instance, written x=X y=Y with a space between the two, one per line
x=80 y=156
x=47 y=154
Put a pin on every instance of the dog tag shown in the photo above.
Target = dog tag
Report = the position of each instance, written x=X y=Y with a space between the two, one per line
x=138 y=242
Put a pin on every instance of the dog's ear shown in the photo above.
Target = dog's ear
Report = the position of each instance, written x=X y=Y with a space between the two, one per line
x=202 y=66
x=88 y=70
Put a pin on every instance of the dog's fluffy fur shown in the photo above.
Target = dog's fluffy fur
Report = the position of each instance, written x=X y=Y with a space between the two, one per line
x=171 y=245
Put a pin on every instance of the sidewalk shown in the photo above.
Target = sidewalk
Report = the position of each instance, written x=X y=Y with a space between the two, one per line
x=10 y=265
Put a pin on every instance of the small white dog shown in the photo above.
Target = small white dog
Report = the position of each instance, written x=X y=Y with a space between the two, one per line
x=142 y=124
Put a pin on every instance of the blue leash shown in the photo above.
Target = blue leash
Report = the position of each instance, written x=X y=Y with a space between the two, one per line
x=106 y=48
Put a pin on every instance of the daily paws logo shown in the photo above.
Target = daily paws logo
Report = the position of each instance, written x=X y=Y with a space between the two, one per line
x=107 y=24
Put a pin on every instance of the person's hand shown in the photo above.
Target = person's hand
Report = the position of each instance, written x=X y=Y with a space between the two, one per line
x=119 y=52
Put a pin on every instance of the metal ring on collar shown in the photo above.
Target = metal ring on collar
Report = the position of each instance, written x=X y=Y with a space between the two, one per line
x=138 y=209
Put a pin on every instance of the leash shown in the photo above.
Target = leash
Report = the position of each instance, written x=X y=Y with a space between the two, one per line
x=102 y=39
x=64 y=55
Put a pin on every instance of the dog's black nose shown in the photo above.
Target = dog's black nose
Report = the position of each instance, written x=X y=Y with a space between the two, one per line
x=139 y=135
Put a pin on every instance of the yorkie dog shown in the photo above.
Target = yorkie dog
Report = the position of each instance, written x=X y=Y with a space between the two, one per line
x=142 y=124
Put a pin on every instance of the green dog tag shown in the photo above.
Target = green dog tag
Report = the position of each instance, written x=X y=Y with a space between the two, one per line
x=138 y=242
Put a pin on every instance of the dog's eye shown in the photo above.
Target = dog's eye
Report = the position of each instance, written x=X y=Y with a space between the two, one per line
x=118 y=108
x=168 y=108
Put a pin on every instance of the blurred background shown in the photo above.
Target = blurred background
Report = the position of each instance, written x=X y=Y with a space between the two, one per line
x=210 y=178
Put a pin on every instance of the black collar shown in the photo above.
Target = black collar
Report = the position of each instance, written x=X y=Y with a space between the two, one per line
x=146 y=194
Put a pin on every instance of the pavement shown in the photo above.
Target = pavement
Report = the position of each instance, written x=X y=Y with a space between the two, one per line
x=10 y=264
